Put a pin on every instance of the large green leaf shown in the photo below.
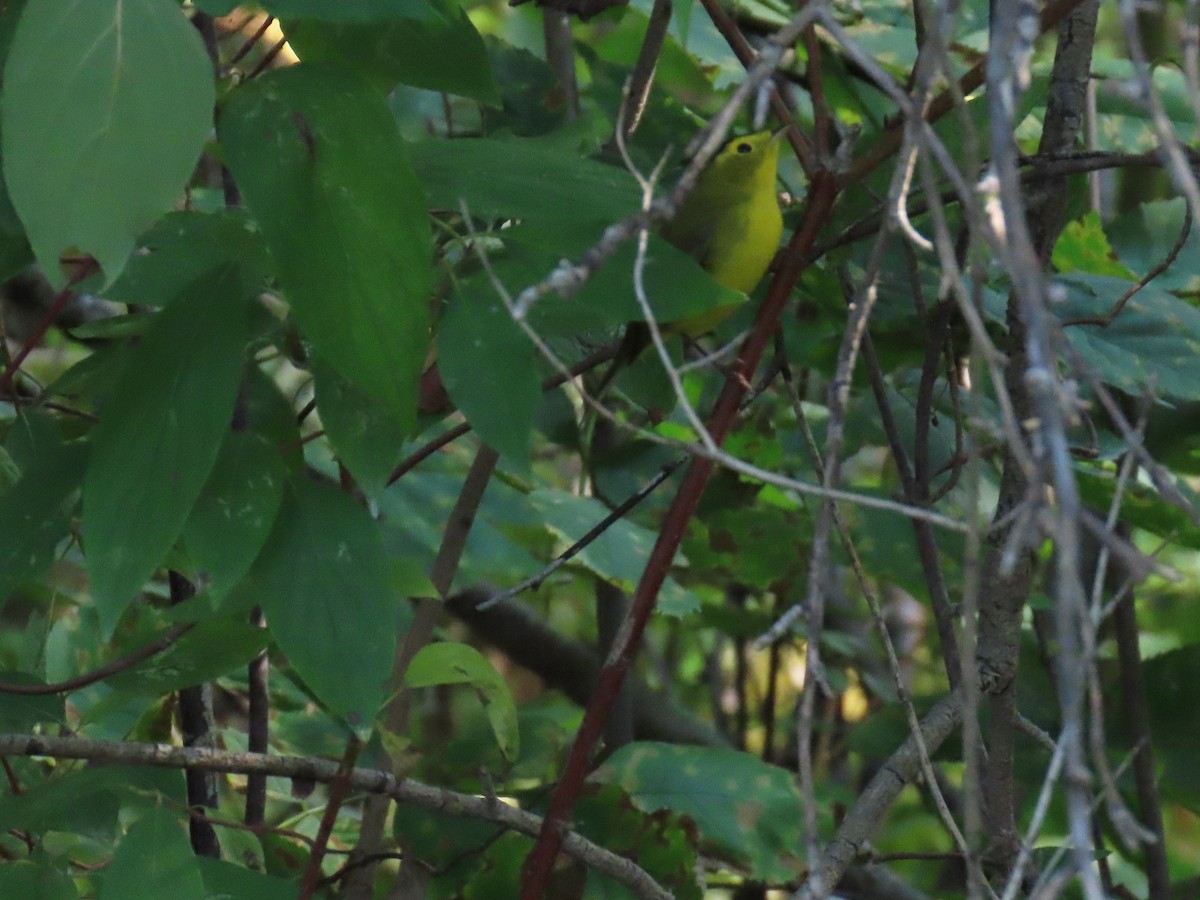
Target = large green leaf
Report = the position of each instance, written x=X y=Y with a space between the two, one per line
x=530 y=178
x=32 y=518
x=619 y=554
x=1153 y=344
x=225 y=879
x=443 y=839
x=15 y=252
x=410 y=47
x=1170 y=683
x=489 y=369
x=416 y=511
x=1141 y=505
x=748 y=811
x=459 y=664
x=235 y=511
x=1141 y=236
x=321 y=164
x=213 y=648
x=368 y=439
x=1083 y=247
x=37 y=882
x=159 y=436
x=154 y=859
x=324 y=584
x=663 y=843
x=106 y=107
x=22 y=712
x=87 y=801
x=561 y=202
x=182 y=247
x=351 y=11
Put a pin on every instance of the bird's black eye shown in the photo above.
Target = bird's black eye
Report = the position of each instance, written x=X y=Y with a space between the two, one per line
x=744 y=147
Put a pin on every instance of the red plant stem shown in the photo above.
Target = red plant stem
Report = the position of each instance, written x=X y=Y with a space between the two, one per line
x=87 y=267
x=337 y=795
x=540 y=862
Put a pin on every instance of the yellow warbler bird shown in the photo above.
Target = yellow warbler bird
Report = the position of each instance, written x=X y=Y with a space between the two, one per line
x=730 y=223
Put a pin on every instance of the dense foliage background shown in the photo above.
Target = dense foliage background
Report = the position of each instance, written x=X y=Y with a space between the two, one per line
x=896 y=568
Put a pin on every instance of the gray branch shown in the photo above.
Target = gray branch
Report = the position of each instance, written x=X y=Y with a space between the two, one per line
x=325 y=771
x=868 y=810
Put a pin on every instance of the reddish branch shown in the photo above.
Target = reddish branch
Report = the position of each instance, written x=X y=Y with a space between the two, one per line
x=337 y=795
x=794 y=259
x=84 y=269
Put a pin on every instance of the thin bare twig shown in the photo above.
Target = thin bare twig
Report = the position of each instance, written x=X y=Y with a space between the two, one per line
x=1165 y=263
x=101 y=672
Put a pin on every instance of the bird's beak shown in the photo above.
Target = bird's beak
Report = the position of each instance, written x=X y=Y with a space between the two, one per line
x=778 y=133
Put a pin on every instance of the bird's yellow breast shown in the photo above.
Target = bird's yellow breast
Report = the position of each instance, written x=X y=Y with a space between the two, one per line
x=731 y=222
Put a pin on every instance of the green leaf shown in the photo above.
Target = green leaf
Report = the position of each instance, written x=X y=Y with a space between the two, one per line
x=562 y=202
x=352 y=11
x=1142 y=235
x=269 y=413
x=181 y=247
x=675 y=285
x=106 y=108
x=216 y=7
x=235 y=511
x=498 y=870
x=443 y=839
x=489 y=369
x=159 y=436
x=321 y=164
x=531 y=101
x=1154 y=343
x=1141 y=505
x=663 y=843
x=410 y=47
x=15 y=252
x=447 y=663
x=210 y=650
x=619 y=554
x=701 y=38
x=33 y=432
x=748 y=811
x=537 y=179
x=35 y=882
x=369 y=440
x=32 y=517
x=21 y=712
x=224 y=879
x=324 y=583
x=1170 y=678
x=87 y=801
x=154 y=859
x=1083 y=247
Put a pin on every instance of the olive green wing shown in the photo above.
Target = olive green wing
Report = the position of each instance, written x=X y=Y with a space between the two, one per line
x=691 y=234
